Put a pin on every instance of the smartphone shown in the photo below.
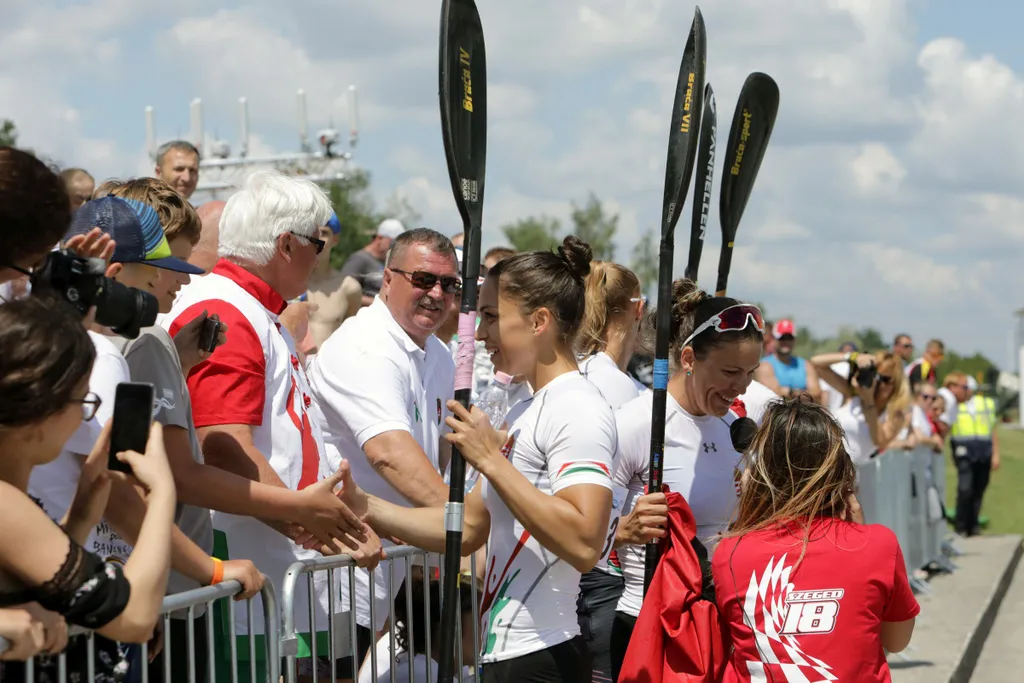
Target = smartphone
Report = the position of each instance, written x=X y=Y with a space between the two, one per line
x=133 y=416
x=208 y=334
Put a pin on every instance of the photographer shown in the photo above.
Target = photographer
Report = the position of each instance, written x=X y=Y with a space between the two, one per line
x=46 y=358
x=875 y=399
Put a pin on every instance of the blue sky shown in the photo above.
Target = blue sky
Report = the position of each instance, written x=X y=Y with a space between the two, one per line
x=891 y=195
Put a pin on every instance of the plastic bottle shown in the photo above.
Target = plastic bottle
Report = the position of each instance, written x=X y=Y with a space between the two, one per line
x=494 y=399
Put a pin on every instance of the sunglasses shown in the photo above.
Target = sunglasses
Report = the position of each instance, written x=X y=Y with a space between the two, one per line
x=928 y=397
x=318 y=243
x=885 y=379
x=421 y=279
x=732 y=319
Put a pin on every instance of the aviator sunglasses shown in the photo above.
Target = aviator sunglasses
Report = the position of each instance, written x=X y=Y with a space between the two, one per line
x=421 y=279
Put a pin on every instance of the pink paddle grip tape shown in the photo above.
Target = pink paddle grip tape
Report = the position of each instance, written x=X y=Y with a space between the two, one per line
x=466 y=352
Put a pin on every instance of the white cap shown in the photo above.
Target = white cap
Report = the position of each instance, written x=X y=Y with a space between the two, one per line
x=458 y=255
x=972 y=383
x=390 y=227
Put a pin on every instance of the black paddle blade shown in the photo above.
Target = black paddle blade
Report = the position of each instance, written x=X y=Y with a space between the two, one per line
x=463 y=95
x=702 y=185
x=682 y=137
x=752 y=125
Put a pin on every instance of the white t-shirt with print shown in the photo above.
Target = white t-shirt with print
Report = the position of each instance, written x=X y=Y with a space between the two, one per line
x=54 y=484
x=699 y=462
x=563 y=436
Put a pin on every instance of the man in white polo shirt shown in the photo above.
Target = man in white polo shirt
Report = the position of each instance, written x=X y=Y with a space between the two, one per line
x=251 y=399
x=381 y=383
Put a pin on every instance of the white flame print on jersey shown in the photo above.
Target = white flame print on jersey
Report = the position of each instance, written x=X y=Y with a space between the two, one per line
x=775 y=612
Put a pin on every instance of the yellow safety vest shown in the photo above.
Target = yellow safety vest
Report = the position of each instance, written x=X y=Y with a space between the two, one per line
x=976 y=426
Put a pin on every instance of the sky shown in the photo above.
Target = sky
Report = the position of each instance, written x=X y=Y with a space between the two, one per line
x=889 y=196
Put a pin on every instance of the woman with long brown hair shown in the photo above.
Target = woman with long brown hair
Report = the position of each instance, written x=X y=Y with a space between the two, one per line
x=873 y=411
x=809 y=592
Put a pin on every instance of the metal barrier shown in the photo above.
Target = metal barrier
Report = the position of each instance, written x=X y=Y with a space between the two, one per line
x=297 y=646
x=134 y=666
x=905 y=490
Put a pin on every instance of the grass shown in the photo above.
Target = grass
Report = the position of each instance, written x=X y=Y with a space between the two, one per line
x=1004 y=498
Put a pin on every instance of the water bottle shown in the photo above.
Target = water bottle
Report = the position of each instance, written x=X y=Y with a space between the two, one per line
x=494 y=399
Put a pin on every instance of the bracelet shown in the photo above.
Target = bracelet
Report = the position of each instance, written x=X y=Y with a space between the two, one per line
x=218 y=571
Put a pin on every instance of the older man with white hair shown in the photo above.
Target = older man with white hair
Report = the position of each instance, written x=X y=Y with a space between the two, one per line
x=251 y=400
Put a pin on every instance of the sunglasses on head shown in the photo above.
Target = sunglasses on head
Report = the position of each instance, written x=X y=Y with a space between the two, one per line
x=421 y=279
x=732 y=319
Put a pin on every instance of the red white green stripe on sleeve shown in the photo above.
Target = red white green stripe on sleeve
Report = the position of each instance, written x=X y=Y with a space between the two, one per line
x=583 y=466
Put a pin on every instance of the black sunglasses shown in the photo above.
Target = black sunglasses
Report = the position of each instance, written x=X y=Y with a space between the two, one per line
x=884 y=379
x=318 y=243
x=423 y=280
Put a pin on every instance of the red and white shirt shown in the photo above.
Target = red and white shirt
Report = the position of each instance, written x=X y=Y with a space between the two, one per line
x=819 y=620
x=256 y=379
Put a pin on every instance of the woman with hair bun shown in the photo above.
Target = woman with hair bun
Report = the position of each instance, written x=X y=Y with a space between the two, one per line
x=808 y=591
x=715 y=348
x=546 y=493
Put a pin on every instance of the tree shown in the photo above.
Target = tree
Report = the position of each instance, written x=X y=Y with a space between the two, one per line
x=645 y=262
x=533 y=234
x=595 y=228
x=8 y=133
x=354 y=205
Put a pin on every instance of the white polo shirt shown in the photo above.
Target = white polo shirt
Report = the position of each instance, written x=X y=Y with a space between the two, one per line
x=369 y=378
x=256 y=379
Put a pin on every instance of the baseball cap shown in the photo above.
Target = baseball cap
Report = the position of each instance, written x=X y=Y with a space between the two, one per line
x=334 y=224
x=390 y=227
x=782 y=328
x=136 y=230
x=972 y=383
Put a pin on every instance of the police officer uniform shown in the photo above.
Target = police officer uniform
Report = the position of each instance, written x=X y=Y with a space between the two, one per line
x=971 y=438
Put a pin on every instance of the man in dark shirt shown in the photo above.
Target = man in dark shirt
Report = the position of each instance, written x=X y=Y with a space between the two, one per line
x=367 y=264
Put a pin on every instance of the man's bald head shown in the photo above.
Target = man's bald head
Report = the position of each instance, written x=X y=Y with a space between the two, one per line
x=204 y=254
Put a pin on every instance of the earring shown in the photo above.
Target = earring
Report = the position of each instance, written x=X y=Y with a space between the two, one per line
x=689 y=372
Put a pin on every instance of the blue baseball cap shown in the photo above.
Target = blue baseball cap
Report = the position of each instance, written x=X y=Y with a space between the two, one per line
x=334 y=224
x=135 y=228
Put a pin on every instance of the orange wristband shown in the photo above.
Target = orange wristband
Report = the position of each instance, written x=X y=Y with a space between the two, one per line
x=218 y=571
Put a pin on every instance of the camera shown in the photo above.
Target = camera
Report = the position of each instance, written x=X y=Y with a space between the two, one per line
x=866 y=376
x=80 y=282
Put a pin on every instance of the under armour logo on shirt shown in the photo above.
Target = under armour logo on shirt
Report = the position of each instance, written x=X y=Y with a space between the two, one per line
x=708 y=447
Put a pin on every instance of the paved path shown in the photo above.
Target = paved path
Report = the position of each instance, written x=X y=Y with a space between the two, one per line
x=1002 y=657
x=957 y=615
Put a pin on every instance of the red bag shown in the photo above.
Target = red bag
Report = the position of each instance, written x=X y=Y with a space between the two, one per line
x=678 y=636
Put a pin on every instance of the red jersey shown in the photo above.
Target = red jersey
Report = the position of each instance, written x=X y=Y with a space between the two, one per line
x=821 y=621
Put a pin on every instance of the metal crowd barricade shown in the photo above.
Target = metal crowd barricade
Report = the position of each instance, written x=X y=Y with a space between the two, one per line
x=341 y=570
x=905 y=490
x=181 y=604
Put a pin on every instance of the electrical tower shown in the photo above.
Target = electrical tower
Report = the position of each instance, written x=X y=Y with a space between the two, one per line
x=220 y=172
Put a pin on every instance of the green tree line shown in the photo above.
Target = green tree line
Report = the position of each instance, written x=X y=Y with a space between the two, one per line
x=590 y=221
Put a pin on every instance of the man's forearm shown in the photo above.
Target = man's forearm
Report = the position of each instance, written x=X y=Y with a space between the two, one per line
x=415 y=479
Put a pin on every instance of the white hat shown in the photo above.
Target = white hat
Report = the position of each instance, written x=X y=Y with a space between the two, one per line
x=390 y=227
x=972 y=383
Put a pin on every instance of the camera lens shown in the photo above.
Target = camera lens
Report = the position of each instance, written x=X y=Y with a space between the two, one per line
x=125 y=310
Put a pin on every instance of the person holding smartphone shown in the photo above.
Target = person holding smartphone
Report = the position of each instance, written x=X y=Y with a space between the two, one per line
x=875 y=400
x=47 y=357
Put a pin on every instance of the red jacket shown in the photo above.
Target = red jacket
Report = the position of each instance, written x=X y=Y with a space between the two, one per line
x=678 y=637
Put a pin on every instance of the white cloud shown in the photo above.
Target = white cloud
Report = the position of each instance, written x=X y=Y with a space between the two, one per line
x=890 y=195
